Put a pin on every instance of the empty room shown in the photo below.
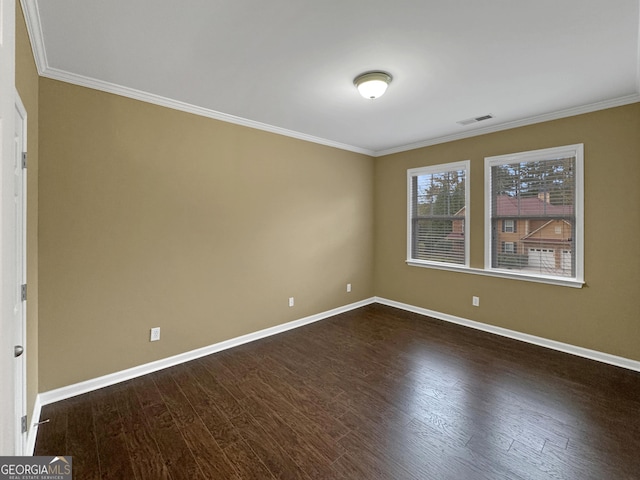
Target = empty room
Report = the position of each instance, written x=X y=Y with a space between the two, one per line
x=320 y=240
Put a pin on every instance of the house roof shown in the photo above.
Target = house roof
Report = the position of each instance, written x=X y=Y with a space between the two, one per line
x=507 y=206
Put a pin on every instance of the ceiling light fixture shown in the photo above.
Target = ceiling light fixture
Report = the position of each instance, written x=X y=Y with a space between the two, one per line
x=372 y=84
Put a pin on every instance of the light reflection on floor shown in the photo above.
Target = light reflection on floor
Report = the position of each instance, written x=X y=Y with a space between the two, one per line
x=450 y=397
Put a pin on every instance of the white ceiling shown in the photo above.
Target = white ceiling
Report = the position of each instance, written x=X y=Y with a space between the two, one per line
x=288 y=65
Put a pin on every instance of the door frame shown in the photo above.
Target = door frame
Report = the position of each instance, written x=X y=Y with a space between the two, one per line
x=7 y=225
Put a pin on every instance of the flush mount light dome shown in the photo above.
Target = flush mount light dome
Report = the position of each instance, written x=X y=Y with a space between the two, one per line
x=372 y=84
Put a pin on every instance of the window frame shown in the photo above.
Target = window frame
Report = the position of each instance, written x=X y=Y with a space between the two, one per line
x=576 y=151
x=434 y=169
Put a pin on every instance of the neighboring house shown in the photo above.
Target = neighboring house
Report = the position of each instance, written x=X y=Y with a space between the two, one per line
x=530 y=232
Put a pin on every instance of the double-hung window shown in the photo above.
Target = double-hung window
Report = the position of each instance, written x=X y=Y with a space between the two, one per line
x=534 y=213
x=509 y=247
x=509 y=226
x=437 y=215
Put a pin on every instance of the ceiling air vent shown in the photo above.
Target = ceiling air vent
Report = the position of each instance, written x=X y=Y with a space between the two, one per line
x=469 y=121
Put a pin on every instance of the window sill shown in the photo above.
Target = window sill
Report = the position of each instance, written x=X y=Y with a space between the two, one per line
x=564 y=282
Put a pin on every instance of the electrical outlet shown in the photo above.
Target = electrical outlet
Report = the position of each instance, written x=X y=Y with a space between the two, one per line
x=291 y=301
x=475 y=301
x=348 y=287
x=155 y=334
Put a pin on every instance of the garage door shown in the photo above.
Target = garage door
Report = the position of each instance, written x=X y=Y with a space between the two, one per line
x=543 y=258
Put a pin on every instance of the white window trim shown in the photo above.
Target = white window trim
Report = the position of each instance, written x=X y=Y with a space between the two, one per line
x=576 y=151
x=440 y=168
x=560 y=281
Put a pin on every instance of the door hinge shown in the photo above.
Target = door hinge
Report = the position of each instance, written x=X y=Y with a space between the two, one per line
x=24 y=292
x=23 y=423
x=24 y=159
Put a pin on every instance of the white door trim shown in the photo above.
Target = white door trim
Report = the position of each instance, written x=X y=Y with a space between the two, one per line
x=7 y=226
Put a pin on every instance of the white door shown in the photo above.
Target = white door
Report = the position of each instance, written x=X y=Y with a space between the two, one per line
x=8 y=261
x=20 y=308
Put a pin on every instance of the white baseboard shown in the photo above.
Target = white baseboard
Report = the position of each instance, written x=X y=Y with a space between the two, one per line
x=69 y=391
x=33 y=427
x=524 y=337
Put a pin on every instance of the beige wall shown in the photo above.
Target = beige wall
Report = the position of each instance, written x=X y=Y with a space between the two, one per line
x=153 y=217
x=27 y=85
x=605 y=314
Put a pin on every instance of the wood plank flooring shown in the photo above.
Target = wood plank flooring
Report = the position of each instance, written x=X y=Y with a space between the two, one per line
x=375 y=393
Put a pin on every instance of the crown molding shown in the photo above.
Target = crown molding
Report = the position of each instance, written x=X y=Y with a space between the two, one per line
x=80 y=80
x=34 y=28
x=108 y=87
x=569 y=112
x=92 y=83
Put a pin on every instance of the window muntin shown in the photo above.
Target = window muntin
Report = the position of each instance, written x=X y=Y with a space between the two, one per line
x=438 y=197
x=540 y=194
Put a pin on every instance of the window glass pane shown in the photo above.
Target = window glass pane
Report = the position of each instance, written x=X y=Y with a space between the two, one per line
x=437 y=205
x=539 y=197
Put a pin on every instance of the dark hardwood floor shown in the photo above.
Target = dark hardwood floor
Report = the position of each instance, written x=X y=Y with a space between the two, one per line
x=376 y=393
